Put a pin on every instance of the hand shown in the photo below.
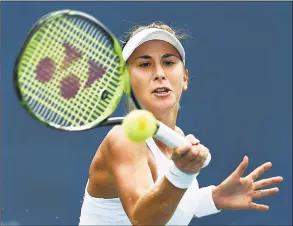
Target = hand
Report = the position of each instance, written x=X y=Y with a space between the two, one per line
x=237 y=192
x=190 y=158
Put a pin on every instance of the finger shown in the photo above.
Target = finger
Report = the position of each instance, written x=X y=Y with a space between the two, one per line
x=193 y=166
x=199 y=161
x=242 y=167
x=194 y=159
x=260 y=170
x=193 y=154
x=260 y=207
x=192 y=139
x=196 y=155
x=203 y=154
x=267 y=192
x=267 y=182
x=181 y=151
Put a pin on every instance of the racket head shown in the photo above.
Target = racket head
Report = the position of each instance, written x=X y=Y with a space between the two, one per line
x=70 y=73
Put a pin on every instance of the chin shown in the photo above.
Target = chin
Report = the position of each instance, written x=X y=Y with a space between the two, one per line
x=161 y=106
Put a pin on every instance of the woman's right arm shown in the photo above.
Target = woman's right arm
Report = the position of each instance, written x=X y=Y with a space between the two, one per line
x=145 y=202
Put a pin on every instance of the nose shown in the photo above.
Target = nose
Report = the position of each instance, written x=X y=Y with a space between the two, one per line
x=159 y=73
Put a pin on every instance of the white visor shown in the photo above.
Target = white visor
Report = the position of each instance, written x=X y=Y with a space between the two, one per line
x=152 y=34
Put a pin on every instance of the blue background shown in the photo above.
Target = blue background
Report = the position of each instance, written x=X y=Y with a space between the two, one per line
x=239 y=103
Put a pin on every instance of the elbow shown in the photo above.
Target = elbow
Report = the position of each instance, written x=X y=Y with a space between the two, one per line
x=148 y=217
x=136 y=221
x=137 y=218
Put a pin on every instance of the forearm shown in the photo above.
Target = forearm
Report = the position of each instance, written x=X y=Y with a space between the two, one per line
x=158 y=205
x=203 y=202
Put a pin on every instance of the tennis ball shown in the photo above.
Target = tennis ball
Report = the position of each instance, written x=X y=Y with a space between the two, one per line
x=139 y=125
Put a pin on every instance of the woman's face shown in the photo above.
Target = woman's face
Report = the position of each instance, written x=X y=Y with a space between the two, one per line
x=157 y=75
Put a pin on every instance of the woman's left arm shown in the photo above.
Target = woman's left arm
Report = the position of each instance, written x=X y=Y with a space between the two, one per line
x=235 y=192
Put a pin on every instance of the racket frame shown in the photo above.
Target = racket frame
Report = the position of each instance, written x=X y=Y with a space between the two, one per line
x=163 y=133
x=108 y=121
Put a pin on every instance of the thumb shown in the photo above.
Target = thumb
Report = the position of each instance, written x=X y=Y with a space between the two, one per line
x=193 y=140
x=179 y=152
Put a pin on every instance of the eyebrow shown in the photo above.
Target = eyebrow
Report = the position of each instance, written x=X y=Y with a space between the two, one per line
x=170 y=55
x=164 y=56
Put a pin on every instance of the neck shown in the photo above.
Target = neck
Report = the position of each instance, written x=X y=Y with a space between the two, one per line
x=169 y=118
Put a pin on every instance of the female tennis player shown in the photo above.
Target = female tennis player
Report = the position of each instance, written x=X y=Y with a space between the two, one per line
x=149 y=183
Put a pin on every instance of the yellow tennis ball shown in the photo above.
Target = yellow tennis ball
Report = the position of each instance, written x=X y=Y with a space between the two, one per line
x=139 y=125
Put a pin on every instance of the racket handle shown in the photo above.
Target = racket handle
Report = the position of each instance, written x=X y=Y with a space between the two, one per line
x=173 y=139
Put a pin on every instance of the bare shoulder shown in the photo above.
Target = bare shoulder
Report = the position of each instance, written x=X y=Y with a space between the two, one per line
x=117 y=139
x=120 y=149
x=117 y=158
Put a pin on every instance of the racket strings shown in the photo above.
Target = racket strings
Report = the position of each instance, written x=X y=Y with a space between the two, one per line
x=87 y=105
x=36 y=100
x=101 y=44
x=41 y=44
x=48 y=92
x=99 y=104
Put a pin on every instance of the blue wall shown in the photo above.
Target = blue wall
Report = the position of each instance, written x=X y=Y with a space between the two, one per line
x=239 y=103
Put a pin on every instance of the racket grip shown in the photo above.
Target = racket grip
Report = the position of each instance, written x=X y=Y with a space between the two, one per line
x=173 y=139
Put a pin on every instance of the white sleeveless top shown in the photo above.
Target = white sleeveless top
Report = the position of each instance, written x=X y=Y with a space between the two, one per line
x=198 y=202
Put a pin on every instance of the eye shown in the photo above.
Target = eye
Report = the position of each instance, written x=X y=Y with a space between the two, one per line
x=145 y=64
x=169 y=62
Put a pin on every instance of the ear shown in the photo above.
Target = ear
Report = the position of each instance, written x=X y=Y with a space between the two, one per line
x=185 y=80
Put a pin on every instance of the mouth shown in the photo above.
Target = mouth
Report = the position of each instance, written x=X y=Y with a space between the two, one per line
x=161 y=91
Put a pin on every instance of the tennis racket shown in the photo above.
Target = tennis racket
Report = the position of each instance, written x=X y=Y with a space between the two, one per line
x=70 y=75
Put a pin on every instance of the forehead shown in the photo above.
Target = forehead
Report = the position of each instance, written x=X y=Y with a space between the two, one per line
x=154 y=47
